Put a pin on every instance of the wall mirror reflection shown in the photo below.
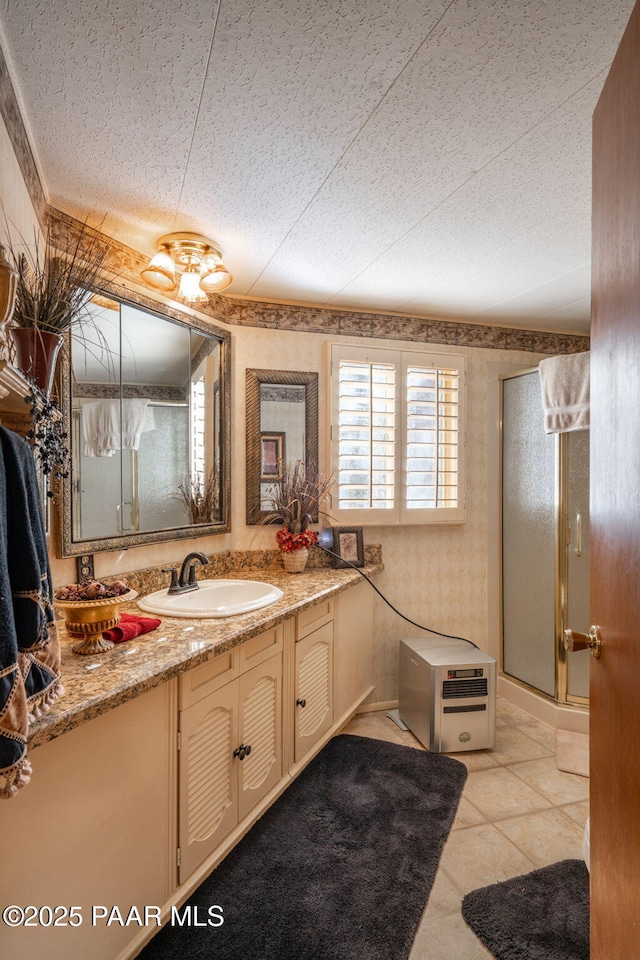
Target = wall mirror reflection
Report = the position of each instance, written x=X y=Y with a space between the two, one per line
x=147 y=401
x=282 y=427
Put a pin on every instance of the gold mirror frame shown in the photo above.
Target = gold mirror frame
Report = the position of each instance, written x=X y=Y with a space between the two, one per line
x=73 y=548
x=254 y=380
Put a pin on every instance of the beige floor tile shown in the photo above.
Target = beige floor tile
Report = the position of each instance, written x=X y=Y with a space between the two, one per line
x=499 y=793
x=541 y=732
x=475 y=759
x=467 y=815
x=447 y=938
x=508 y=715
x=482 y=855
x=577 y=811
x=373 y=725
x=444 y=899
x=545 y=837
x=513 y=745
x=556 y=786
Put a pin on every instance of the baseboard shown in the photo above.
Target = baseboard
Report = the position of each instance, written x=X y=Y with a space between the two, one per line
x=557 y=715
x=374 y=707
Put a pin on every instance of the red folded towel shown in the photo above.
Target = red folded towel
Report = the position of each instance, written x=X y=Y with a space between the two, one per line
x=131 y=626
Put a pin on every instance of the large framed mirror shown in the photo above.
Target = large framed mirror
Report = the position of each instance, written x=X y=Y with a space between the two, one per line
x=146 y=396
x=282 y=427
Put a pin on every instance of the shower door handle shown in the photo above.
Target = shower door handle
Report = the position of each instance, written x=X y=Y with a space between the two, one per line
x=578 y=534
x=591 y=641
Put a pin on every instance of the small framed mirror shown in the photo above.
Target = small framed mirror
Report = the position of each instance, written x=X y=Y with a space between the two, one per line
x=282 y=427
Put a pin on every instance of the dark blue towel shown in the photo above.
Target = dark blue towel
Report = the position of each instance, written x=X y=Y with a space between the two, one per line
x=29 y=646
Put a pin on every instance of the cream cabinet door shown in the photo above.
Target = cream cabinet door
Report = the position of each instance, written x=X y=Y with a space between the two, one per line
x=313 y=688
x=260 y=717
x=353 y=649
x=208 y=795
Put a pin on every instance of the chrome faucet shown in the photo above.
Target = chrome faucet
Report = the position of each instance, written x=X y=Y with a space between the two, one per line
x=186 y=579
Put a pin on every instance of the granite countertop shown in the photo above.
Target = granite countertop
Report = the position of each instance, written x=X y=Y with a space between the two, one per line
x=95 y=684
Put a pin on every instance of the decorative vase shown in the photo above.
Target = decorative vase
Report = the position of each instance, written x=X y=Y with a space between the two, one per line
x=36 y=353
x=88 y=619
x=295 y=561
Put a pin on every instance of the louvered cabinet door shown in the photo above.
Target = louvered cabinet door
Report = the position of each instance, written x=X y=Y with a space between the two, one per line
x=261 y=730
x=313 y=688
x=208 y=803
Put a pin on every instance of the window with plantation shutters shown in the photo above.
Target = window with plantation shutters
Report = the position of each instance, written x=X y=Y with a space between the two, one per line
x=397 y=436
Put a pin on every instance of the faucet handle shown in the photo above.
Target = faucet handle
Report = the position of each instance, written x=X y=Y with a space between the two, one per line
x=174 y=577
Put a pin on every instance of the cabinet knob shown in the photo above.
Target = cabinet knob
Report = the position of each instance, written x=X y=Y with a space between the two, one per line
x=241 y=752
x=247 y=750
x=301 y=703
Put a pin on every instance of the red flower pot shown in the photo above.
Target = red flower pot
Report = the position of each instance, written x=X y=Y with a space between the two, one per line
x=36 y=353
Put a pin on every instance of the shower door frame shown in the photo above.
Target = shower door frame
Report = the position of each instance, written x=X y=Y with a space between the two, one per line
x=562 y=540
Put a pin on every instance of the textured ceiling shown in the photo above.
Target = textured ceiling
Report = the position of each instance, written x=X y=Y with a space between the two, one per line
x=424 y=156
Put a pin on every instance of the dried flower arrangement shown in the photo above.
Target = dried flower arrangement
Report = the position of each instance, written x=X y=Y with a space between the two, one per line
x=56 y=279
x=295 y=500
x=200 y=498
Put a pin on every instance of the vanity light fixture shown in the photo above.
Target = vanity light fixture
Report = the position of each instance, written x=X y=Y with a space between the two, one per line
x=201 y=259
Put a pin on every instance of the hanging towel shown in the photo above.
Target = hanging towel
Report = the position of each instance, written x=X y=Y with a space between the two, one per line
x=111 y=425
x=29 y=646
x=564 y=382
x=92 y=429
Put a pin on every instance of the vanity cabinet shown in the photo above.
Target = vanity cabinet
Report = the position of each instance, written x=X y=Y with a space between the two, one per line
x=230 y=743
x=140 y=803
x=313 y=674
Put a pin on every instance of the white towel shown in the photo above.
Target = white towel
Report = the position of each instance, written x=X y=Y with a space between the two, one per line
x=111 y=425
x=93 y=429
x=564 y=382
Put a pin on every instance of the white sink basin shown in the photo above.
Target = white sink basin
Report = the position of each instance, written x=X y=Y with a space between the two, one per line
x=213 y=598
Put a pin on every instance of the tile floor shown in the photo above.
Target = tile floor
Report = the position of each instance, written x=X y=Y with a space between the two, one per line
x=517 y=812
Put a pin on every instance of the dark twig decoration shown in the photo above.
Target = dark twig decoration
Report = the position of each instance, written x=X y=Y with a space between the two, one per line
x=50 y=440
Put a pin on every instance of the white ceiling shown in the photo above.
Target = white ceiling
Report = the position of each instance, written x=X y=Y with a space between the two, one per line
x=424 y=156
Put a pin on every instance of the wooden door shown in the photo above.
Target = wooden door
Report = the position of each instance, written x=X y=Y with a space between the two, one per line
x=208 y=795
x=615 y=509
x=313 y=688
x=260 y=729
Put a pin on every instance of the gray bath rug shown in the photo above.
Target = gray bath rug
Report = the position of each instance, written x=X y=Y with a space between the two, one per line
x=339 y=868
x=543 y=915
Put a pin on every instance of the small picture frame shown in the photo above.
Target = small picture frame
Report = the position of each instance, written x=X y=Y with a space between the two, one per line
x=348 y=544
x=272 y=455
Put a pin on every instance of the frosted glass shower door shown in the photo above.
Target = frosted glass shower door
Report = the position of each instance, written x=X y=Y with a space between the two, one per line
x=578 y=559
x=528 y=536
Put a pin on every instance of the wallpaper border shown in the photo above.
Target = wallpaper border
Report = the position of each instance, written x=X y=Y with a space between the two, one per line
x=126 y=264
x=10 y=111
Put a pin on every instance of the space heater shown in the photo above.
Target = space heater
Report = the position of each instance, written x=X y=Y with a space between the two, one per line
x=447 y=694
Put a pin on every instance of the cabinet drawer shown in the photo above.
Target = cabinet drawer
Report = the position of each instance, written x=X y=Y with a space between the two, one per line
x=314 y=617
x=209 y=676
x=260 y=648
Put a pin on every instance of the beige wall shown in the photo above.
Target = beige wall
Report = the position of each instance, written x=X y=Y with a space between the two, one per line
x=17 y=216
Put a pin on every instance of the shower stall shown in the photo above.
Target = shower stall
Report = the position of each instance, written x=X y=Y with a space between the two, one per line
x=544 y=547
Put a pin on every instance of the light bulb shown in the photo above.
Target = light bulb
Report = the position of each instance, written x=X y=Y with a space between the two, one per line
x=190 y=285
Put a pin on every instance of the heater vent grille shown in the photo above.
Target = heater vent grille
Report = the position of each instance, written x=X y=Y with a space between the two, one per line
x=464 y=688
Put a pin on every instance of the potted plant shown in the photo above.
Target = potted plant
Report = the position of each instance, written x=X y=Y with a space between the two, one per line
x=295 y=499
x=53 y=289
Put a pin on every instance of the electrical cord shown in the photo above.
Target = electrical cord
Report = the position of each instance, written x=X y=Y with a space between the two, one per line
x=448 y=636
